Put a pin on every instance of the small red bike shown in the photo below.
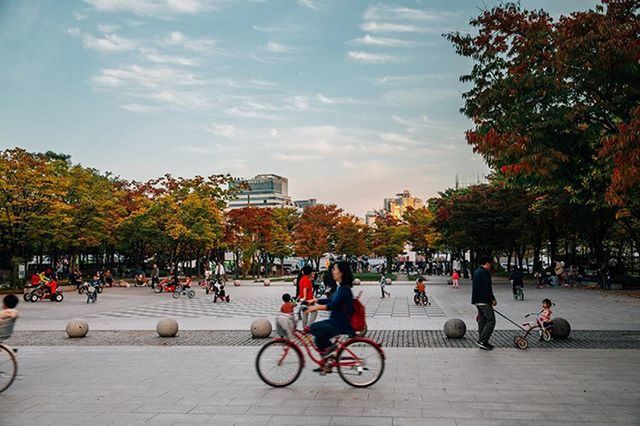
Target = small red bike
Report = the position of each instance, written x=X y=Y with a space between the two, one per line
x=358 y=360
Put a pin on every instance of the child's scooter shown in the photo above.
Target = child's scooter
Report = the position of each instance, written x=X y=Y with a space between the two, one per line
x=544 y=329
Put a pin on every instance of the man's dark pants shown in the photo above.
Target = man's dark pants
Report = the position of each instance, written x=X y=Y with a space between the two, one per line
x=486 y=322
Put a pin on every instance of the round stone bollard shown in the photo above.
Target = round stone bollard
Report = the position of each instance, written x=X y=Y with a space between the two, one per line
x=357 y=281
x=266 y=283
x=388 y=281
x=167 y=327
x=77 y=328
x=455 y=328
x=561 y=328
x=261 y=328
x=236 y=283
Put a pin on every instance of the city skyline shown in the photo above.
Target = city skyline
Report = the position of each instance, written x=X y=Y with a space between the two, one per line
x=352 y=101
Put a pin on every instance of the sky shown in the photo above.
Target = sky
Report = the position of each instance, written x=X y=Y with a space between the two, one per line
x=353 y=101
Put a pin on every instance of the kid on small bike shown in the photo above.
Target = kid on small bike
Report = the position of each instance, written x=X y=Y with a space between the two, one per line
x=420 y=287
x=543 y=318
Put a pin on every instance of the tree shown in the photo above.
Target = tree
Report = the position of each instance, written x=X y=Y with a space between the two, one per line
x=388 y=237
x=32 y=195
x=546 y=94
x=284 y=221
x=422 y=234
x=248 y=234
x=352 y=236
x=315 y=233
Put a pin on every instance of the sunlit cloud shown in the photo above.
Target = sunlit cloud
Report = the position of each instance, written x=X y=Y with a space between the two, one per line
x=374 y=58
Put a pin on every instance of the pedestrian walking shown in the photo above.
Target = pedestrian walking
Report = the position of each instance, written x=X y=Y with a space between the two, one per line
x=383 y=284
x=484 y=300
x=155 y=276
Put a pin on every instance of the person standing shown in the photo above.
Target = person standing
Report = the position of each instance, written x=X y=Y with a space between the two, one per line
x=484 y=300
x=305 y=294
x=155 y=275
x=383 y=284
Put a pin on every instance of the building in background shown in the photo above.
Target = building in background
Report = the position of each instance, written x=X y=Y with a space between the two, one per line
x=303 y=204
x=370 y=218
x=398 y=205
x=262 y=191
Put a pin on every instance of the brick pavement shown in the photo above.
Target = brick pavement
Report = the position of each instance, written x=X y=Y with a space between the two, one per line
x=584 y=339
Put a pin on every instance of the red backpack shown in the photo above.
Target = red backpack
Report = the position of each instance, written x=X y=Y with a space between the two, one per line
x=358 y=321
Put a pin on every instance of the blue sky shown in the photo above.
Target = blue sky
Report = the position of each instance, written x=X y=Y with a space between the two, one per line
x=353 y=101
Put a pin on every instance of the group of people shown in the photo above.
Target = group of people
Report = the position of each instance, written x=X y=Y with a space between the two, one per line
x=338 y=300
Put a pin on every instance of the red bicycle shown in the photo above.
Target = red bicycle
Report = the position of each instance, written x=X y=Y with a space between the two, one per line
x=358 y=360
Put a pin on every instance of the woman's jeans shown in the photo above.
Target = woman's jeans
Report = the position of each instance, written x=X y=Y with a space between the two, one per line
x=323 y=331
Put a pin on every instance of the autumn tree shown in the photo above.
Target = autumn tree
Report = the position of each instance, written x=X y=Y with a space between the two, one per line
x=352 y=236
x=315 y=232
x=388 y=237
x=545 y=95
x=422 y=234
x=282 y=244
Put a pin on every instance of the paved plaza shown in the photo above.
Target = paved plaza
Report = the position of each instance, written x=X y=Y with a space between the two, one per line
x=218 y=385
x=123 y=373
x=140 y=308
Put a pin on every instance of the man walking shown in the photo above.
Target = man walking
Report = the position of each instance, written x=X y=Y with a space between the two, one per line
x=482 y=296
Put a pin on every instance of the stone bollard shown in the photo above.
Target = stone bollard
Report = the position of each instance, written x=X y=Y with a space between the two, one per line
x=266 y=283
x=261 y=328
x=561 y=328
x=167 y=327
x=77 y=328
x=357 y=281
x=236 y=283
x=455 y=328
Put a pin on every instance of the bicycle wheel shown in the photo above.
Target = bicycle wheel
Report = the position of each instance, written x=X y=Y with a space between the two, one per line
x=157 y=289
x=546 y=335
x=279 y=363
x=191 y=294
x=8 y=367
x=360 y=363
x=176 y=294
x=521 y=342
x=416 y=299
x=521 y=294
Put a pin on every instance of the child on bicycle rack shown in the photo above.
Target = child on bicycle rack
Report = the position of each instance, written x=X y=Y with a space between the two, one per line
x=287 y=306
x=9 y=304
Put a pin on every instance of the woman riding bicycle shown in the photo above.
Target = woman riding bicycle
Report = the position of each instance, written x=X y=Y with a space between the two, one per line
x=340 y=304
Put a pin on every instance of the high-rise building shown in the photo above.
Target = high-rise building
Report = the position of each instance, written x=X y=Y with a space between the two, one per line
x=398 y=205
x=370 y=218
x=262 y=191
x=302 y=204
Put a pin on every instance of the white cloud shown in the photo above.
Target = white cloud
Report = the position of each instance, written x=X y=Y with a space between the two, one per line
x=384 y=11
x=369 y=40
x=152 y=77
x=104 y=28
x=109 y=43
x=75 y=31
x=326 y=100
x=298 y=102
x=295 y=158
x=157 y=8
x=371 y=57
x=398 y=138
x=311 y=4
x=178 y=39
x=139 y=108
x=225 y=130
x=413 y=78
x=277 y=47
x=391 y=27
x=154 y=56
x=248 y=113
